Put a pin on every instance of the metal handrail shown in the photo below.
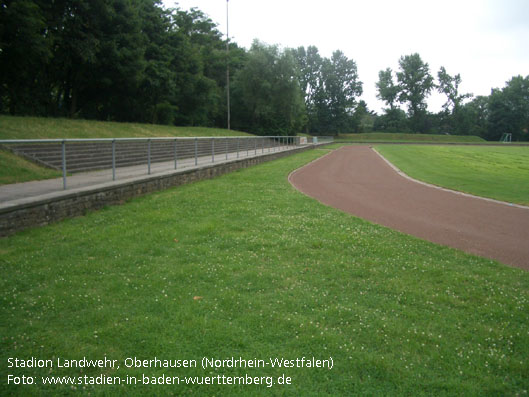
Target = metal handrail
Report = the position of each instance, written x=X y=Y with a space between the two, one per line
x=169 y=138
x=280 y=143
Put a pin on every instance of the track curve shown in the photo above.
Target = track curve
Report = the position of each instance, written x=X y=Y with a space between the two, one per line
x=358 y=181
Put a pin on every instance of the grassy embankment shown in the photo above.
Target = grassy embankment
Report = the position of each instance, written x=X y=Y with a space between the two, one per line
x=246 y=266
x=40 y=128
x=400 y=137
x=501 y=173
x=14 y=169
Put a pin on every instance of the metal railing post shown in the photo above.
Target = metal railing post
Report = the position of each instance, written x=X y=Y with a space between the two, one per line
x=263 y=147
x=212 y=150
x=149 y=156
x=113 y=159
x=63 y=148
x=237 y=147
x=227 y=143
x=175 y=155
x=196 y=151
x=255 y=142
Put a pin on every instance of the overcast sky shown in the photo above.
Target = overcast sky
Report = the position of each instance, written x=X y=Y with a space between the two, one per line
x=486 y=41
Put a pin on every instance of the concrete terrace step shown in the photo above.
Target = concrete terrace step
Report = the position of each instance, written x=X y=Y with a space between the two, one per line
x=85 y=156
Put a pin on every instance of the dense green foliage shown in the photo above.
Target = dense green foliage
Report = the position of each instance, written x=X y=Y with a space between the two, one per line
x=267 y=99
x=402 y=137
x=331 y=87
x=135 y=61
x=500 y=173
x=112 y=60
x=245 y=266
x=504 y=111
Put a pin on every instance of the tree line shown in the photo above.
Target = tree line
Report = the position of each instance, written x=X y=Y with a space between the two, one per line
x=505 y=110
x=134 y=60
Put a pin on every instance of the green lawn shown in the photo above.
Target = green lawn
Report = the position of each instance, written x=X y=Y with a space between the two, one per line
x=15 y=169
x=245 y=266
x=401 y=137
x=40 y=128
x=501 y=173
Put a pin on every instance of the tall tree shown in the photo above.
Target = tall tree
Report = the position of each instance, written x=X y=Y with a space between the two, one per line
x=309 y=63
x=394 y=119
x=416 y=84
x=449 y=85
x=157 y=87
x=509 y=110
x=388 y=91
x=267 y=98
x=341 y=88
x=24 y=54
x=473 y=117
x=98 y=57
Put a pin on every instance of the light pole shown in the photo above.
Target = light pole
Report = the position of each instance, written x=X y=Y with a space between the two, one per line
x=228 y=65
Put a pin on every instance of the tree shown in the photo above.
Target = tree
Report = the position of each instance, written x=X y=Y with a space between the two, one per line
x=509 y=110
x=330 y=87
x=394 y=119
x=309 y=63
x=517 y=97
x=449 y=85
x=157 y=91
x=473 y=117
x=415 y=83
x=388 y=91
x=97 y=57
x=204 y=99
x=24 y=54
x=362 y=120
x=452 y=117
x=341 y=87
x=267 y=98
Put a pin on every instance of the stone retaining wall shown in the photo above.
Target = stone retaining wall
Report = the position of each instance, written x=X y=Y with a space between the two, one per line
x=76 y=202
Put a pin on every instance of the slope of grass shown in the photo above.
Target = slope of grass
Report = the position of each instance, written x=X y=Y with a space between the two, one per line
x=501 y=173
x=40 y=128
x=244 y=266
x=15 y=169
x=401 y=137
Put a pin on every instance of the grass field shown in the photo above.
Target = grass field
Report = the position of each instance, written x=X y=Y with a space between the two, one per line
x=500 y=173
x=400 y=137
x=246 y=266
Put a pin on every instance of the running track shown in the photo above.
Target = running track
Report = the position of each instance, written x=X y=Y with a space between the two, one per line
x=355 y=179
